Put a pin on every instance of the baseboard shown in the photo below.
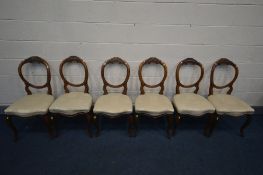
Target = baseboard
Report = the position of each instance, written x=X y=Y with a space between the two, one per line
x=258 y=110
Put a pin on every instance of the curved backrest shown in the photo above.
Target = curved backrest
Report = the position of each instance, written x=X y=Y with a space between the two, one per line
x=152 y=60
x=35 y=59
x=177 y=75
x=74 y=59
x=222 y=61
x=115 y=60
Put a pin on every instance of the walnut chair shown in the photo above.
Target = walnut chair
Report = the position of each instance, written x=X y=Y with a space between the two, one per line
x=154 y=105
x=227 y=104
x=190 y=104
x=74 y=104
x=31 y=105
x=113 y=105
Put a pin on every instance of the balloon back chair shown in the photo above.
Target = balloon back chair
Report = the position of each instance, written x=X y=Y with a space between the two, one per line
x=113 y=105
x=154 y=105
x=190 y=104
x=74 y=104
x=32 y=104
x=227 y=104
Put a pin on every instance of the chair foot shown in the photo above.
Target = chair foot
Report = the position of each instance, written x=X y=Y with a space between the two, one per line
x=245 y=125
x=8 y=120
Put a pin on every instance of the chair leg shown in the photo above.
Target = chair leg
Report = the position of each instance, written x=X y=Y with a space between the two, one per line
x=8 y=120
x=208 y=125
x=89 y=117
x=245 y=125
x=177 y=119
x=213 y=122
x=132 y=125
x=97 y=125
x=170 y=126
x=49 y=120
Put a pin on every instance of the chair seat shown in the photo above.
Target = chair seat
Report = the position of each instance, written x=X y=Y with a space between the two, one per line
x=230 y=105
x=192 y=104
x=153 y=104
x=72 y=103
x=30 y=105
x=113 y=104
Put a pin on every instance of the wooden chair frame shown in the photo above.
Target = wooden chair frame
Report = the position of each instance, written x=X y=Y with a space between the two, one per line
x=131 y=118
x=47 y=118
x=87 y=115
x=153 y=60
x=187 y=61
x=215 y=117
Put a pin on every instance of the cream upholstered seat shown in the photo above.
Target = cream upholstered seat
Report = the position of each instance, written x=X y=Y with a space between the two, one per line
x=113 y=104
x=72 y=103
x=30 y=105
x=153 y=104
x=230 y=105
x=192 y=104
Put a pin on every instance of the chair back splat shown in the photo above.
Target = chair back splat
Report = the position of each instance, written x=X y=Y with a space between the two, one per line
x=152 y=60
x=35 y=59
x=222 y=61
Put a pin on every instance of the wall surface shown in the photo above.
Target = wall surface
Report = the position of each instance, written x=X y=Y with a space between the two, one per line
x=134 y=30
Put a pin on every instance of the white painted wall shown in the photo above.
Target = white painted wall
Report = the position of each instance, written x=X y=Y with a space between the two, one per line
x=133 y=30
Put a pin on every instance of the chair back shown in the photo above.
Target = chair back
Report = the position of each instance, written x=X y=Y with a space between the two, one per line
x=222 y=61
x=179 y=84
x=35 y=59
x=152 y=60
x=115 y=60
